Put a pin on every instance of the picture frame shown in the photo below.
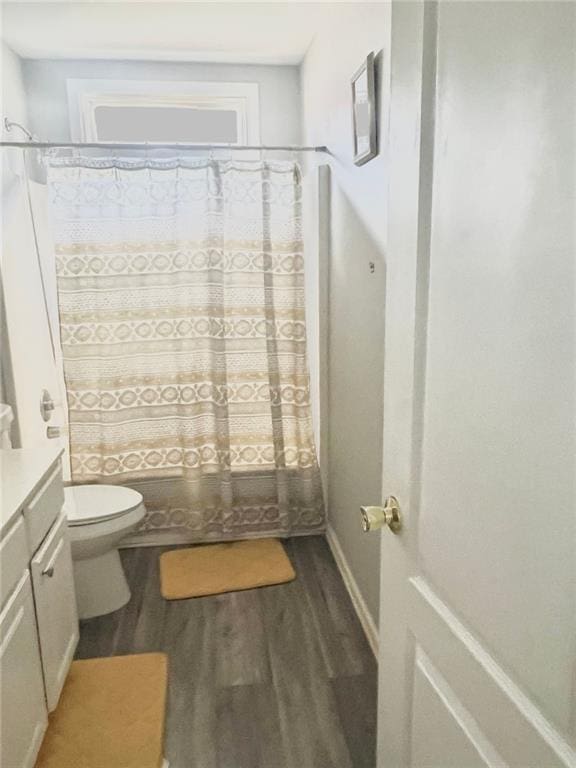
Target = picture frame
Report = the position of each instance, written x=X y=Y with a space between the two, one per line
x=364 y=112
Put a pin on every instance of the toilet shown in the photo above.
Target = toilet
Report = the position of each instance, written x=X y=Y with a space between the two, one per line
x=99 y=517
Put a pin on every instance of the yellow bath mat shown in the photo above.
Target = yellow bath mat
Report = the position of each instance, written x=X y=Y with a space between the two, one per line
x=110 y=713
x=210 y=569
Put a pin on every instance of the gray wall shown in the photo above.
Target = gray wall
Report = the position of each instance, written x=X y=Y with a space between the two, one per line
x=45 y=82
x=356 y=294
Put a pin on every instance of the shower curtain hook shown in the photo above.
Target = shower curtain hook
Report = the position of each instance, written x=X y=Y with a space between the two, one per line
x=44 y=156
x=115 y=165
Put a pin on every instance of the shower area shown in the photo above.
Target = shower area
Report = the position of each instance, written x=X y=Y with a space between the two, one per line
x=175 y=298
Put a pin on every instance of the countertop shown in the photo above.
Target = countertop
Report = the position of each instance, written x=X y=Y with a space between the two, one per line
x=21 y=472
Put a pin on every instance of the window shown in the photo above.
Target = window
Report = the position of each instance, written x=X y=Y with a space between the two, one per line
x=142 y=111
x=148 y=123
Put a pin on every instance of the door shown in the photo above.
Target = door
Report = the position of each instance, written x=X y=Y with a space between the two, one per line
x=24 y=716
x=53 y=581
x=32 y=339
x=478 y=624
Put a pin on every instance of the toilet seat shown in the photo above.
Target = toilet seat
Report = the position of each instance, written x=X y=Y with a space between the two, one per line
x=89 y=504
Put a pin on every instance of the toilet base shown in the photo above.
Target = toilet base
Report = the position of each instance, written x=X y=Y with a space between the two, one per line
x=101 y=585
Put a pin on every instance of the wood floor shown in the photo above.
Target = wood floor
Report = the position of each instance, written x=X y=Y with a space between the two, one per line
x=277 y=677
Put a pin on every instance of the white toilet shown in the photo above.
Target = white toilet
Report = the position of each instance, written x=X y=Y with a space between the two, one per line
x=99 y=517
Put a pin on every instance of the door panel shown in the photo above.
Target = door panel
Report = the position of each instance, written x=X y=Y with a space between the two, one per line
x=443 y=731
x=55 y=599
x=478 y=593
x=44 y=507
x=508 y=719
x=24 y=716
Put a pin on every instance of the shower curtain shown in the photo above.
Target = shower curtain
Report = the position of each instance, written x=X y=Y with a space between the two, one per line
x=181 y=301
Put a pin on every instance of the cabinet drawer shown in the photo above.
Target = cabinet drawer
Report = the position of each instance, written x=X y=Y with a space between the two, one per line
x=24 y=716
x=53 y=582
x=40 y=513
x=14 y=557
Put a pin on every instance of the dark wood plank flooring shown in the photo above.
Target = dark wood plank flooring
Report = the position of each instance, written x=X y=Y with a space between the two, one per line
x=277 y=677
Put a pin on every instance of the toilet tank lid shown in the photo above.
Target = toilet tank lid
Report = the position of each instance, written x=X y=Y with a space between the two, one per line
x=93 y=503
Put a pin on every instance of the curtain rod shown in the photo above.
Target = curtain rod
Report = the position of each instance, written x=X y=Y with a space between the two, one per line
x=149 y=146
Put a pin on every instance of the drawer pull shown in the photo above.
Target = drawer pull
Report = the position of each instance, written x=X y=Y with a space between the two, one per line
x=48 y=572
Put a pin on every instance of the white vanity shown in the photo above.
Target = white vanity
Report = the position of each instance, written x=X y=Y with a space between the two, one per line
x=38 y=618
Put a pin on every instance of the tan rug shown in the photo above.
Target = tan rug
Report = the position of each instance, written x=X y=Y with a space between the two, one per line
x=210 y=569
x=110 y=715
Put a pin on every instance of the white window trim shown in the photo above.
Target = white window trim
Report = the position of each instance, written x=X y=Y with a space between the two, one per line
x=84 y=96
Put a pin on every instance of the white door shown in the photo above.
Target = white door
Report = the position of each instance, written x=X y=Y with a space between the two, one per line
x=56 y=614
x=32 y=363
x=24 y=715
x=478 y=619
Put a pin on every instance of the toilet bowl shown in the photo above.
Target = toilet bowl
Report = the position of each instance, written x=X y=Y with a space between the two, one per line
x=99 y=517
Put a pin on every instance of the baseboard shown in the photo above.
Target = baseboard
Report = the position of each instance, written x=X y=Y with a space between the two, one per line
x=364 y=615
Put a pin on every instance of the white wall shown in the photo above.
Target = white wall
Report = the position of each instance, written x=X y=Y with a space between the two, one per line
x=356 y=295
x=45 y=81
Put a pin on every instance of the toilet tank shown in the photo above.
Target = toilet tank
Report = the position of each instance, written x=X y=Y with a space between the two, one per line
x=6 y=419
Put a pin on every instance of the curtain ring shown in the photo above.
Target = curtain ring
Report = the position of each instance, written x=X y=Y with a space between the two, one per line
x=115 y=166
x=44 y=156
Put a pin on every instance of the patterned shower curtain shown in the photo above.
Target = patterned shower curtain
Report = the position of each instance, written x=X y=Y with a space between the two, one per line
x=181 y=300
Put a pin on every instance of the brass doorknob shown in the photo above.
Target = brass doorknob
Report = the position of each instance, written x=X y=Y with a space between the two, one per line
x=378 y=517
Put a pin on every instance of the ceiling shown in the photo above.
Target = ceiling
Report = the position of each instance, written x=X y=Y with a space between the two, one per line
x=237 y=32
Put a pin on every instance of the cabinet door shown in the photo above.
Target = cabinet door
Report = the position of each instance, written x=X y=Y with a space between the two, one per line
x=53 y=580
x=23 y=707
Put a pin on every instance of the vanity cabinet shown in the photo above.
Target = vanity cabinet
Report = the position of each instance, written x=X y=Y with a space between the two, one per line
x=23 y=707
x=53 y=582
x=38 y=618
x=43 y=508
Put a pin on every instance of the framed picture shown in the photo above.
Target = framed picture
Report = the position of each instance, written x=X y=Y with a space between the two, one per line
x=364 y=112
